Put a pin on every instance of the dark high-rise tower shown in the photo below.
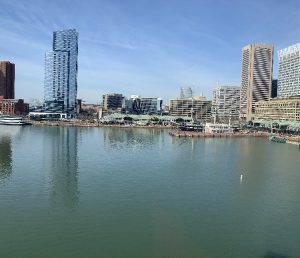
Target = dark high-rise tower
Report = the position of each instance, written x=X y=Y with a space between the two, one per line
x=7 y=80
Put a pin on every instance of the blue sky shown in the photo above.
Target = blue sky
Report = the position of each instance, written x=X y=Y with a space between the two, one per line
x=144 y=47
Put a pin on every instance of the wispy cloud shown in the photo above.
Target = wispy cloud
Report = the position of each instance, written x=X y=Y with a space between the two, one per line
x=143 y=47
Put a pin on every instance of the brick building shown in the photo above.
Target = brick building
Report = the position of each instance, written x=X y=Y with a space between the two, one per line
x=7 y=80
x=13 y=107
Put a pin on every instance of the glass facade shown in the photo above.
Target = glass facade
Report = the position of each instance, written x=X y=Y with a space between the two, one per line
x=61 y=68
x=289 y=71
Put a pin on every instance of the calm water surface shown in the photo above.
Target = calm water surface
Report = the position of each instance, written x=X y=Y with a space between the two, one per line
x=90 y=192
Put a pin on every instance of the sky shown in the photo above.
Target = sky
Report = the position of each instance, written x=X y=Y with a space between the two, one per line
x=149 y=48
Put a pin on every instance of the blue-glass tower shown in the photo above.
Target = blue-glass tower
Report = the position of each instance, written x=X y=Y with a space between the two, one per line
x=61 y=69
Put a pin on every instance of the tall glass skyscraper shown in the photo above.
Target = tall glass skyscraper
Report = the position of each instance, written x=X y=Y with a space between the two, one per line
x=61 y=67
x=289 y=71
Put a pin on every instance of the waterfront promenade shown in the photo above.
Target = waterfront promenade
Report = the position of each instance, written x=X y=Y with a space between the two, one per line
x=79 y=123
x=177 y=133
x=174 y=132
x=290 y=139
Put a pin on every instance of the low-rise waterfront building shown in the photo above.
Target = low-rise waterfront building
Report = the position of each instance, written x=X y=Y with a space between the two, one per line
x=282 y=109
x=13 y=107
x=143 y=105
x=36 y=115
x=90 y=111
x=198 y=108
x=151 y=105
x=113 y=102
x=218 y=128
x=118 y=118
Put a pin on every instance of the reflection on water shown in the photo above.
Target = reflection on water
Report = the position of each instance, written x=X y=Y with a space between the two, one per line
x=275 y=255
x=64 y=166
x=5 y=157
x=146 y=194
x=6 y=134
x=119 y=138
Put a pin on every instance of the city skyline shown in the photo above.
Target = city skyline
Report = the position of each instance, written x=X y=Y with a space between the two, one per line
x=144 y=47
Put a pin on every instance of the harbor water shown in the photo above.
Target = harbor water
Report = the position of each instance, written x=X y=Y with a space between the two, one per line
x=129 y=192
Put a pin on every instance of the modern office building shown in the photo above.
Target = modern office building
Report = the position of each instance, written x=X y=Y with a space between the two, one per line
x=7 y=80
x=61 y=67
x=186 y=92
x=226 y=103
x=150 y=105
x=256 y=79
x=113 y=101
x=198 y=107
x=274 y=88
x=279 y=109
x=289 y=71
x=143 y=105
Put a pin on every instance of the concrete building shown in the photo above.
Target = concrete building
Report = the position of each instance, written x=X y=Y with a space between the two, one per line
x=198 y=107
x=61 y=66
x=282 y=109
x=289 y=71
x=226 y=103
x=256 y=79
x=7 y=80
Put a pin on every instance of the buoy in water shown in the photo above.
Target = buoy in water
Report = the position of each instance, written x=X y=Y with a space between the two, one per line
x=241 y=178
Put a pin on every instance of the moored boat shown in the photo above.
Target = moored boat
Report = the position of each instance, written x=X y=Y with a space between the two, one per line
x=277 y=139
x=9 y=120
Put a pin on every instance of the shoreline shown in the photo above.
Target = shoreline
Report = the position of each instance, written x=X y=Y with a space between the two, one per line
x=218 y=135
x=87 y=124
x=295 y=140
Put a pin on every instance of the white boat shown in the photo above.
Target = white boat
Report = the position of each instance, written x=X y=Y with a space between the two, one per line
x=9 y=120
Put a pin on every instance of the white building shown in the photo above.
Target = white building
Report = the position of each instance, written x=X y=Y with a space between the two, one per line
x=289 y=71
x=226 y=103
x=218 y=128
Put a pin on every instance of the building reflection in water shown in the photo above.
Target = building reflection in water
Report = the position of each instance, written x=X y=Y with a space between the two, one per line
x=63 y=167
x=6 y=135
x=5 y=157
x=119 y=138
